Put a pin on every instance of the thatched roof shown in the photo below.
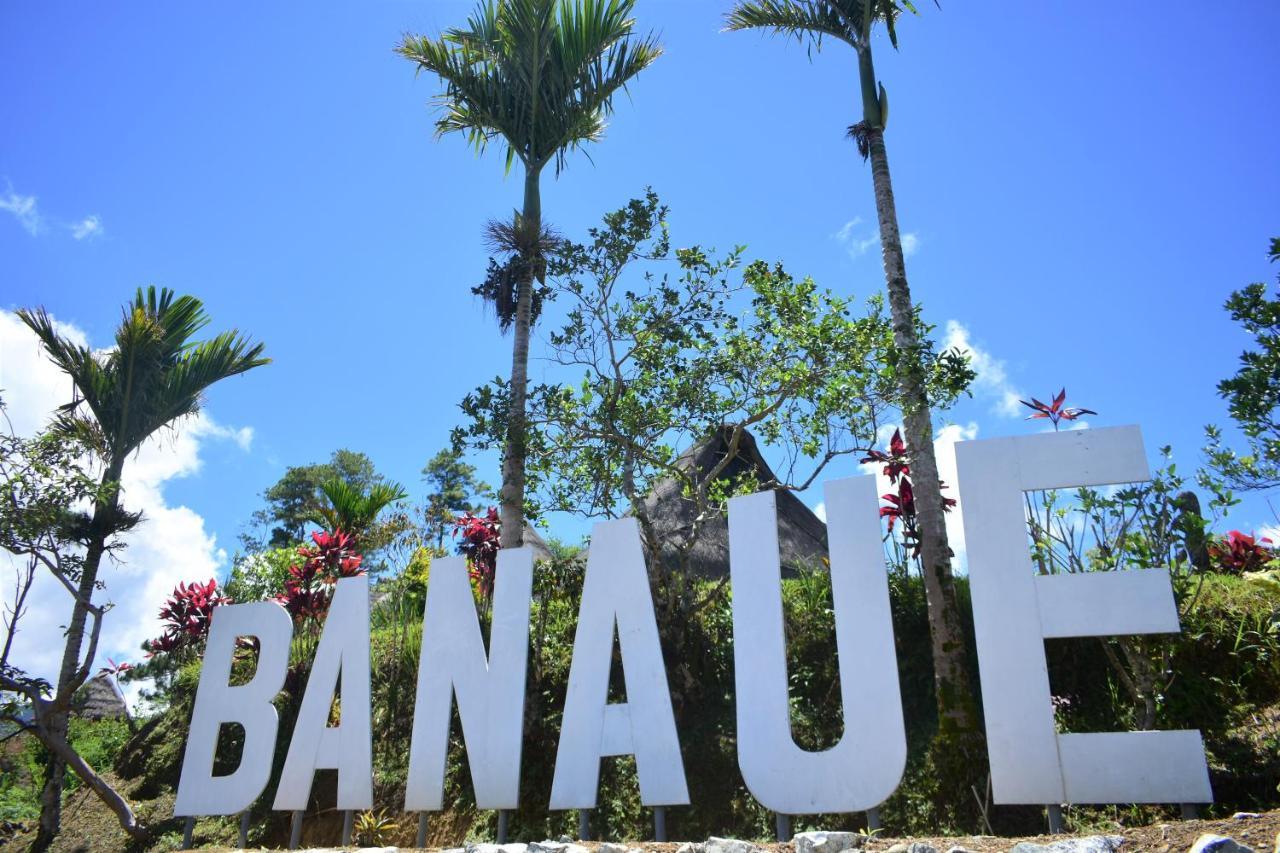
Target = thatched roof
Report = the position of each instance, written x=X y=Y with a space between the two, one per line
x=802 y=537
x=101 y=699
x=541 y=551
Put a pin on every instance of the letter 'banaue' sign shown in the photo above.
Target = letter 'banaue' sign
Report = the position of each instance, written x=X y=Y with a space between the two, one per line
x=1014 y=611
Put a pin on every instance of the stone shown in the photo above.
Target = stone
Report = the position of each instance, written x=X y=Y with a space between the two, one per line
x=689 y=847
x=1245 y=816
x=484 y=847
x=827 y=842
x=728 y=845
x=1210 y=843
x=1088 y=844
x=957 y=849
x=610 y=847
x=554 y=847
x=913 y=847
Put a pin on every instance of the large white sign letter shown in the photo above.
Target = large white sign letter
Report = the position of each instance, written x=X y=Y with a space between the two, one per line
x=347 y=747
x=490 y=690
x=615 y=592
x=199 y=791
x=1014 y=610
x=863 y=769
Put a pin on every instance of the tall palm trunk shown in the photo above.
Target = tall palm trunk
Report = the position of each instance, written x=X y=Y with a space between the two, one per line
x=511 y=510
x=104 y=512
x=950 y=667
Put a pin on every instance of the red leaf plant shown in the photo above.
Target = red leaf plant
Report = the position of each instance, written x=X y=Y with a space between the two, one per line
x=901 y=506
x=895 y=460
x=1055 y=411
x=479 y=544
x=309 y=588
x=1238 y=552
x=186 y=616
x=114 y=669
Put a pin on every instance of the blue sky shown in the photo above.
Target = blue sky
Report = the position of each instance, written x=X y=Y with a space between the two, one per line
x=1083 y=192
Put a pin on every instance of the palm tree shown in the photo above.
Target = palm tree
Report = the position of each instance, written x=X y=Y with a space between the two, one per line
x=540 y=75
x=154 y=376
x=851 y=21
x=353 y=510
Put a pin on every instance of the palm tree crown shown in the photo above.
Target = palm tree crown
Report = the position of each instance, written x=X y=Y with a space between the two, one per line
x=540 y=74
x=155 y=373
x=849 y=21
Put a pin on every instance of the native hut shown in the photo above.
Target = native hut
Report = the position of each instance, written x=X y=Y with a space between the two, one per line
x=802 y=537
x=101 y=699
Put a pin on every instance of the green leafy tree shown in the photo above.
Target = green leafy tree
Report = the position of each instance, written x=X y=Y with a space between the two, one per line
x=353 y=510
x=540 y=75
x=852 y=22
x=455 y=489
x=155 y=375
x=654 y=362
x=1253 y=394
x=294 y=501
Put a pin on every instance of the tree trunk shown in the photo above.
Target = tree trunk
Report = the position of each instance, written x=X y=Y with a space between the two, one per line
x=59 y=746
x=511 y=497
x=950 y=667
x=57 y=723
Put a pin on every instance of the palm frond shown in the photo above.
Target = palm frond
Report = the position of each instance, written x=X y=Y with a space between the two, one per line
x=155 y=373
x=538 y=74
x=811 y=21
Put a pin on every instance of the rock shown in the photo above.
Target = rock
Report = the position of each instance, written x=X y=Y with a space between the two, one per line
x=1245 y=816
x=454 y=850
x=689 y=847
x=482 y=847
x=728 y=845
x=913 y=847
x=610 y=847
x=828 y=842
x=957 y=849
x=552 y=847
x=1210 y=843
x=1088 y=844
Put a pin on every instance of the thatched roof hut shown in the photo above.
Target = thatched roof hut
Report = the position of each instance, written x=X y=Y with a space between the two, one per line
x=101 y=699
x=802 y=537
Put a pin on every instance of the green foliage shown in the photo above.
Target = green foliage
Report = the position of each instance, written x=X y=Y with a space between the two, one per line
x=354 y=510
x=1253 y=393
x=260 y=575
x=98 y=742
x=454 y=490
x=155 y=373
x=538 y=74
x=652 y=362
x=295 y=499
x=373 y=829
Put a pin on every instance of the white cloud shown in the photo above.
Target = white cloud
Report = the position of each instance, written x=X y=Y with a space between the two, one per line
x=910 y=243
x=821 y=511
x=172 y=543
x=23 y=207
x=857 y=244
x=992 y=380
x=89 y=227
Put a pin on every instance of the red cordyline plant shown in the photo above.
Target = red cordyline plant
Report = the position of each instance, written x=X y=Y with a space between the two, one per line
x=900 y=506
x=1238 y=552
x=479 y=544
x=186 y=616
x=309 y=588
x=1054 y=411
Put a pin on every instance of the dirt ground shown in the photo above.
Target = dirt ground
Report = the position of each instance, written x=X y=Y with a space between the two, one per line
x=90 y=828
